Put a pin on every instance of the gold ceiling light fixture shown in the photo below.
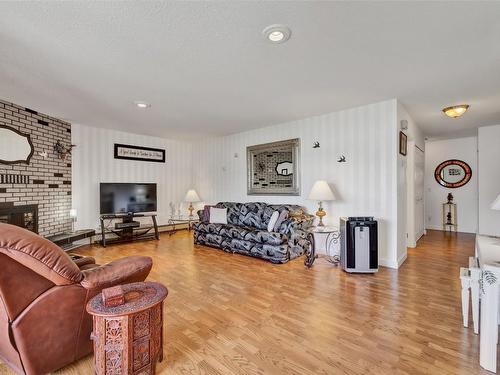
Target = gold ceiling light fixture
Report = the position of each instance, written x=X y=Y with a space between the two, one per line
x=456 y=110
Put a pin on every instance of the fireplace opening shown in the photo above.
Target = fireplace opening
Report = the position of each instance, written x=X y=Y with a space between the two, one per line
x=22 y=216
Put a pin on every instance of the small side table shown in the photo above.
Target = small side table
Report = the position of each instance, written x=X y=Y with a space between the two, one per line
x=332 y=237
x=450 y=217
x=128 y=339
x=182 y=220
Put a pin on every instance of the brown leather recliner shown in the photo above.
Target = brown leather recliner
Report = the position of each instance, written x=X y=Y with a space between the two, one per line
x=43 y=293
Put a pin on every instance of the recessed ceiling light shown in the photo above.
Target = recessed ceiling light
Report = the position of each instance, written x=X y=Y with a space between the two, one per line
x=456 y=110
x=142 y=105
x=277 y=33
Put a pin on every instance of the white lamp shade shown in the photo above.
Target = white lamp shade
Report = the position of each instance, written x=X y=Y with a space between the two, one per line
x=321 y=192
x=496 y=204
x=72 y=213
x=192 y=196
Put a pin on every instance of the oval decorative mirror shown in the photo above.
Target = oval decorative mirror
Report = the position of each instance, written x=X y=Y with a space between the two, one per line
x=453 y=173
x=15 y=147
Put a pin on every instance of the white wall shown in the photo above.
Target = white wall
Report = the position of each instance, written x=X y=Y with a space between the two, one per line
x=489 y=179
x=93 y=162
x=365 y=185
x=406 y=187
x=466 y=197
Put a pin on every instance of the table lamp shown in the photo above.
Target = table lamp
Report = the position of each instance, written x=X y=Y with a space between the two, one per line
x=191 y=197
x=321 y=192
x=496 y=204
x=72 y=215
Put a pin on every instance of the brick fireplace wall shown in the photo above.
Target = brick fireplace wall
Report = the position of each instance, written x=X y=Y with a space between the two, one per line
x=46 y=181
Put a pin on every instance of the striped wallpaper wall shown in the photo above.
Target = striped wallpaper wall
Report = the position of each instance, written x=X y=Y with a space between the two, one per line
x=365 y=185
x=93 y=162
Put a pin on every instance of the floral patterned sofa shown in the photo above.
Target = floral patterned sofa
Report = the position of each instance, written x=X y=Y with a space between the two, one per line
x=246 y=231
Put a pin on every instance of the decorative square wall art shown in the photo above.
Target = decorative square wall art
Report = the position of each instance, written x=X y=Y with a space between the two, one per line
x=273 y=168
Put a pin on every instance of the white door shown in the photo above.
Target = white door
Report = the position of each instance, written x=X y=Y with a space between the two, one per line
x=419 y=193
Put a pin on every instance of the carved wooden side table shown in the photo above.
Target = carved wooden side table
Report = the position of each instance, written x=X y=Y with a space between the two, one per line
x=128 y=339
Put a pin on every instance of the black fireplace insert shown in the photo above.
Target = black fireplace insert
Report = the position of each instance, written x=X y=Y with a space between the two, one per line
x=23 y=216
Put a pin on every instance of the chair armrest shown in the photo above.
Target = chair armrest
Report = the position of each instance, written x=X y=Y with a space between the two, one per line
x=122 y=271
x=84 y=261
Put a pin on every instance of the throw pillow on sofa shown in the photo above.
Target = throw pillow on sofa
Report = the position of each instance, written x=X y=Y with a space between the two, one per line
x=272 y=221
x=218 y=215
x=206 y=214
x=283 y=216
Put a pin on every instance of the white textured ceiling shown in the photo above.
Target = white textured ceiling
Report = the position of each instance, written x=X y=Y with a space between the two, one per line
x=206 y=69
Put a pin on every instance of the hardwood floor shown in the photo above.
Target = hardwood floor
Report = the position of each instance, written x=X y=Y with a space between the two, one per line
x=231 y=314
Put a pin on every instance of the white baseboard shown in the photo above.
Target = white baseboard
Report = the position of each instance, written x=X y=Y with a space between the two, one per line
x=441 y=229
x=413 y=244
x=392 y=263
x=432 y=227
x=402 y=259
x=388 y=263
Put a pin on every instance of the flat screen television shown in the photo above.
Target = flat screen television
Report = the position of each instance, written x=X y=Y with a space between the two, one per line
x=126 y=197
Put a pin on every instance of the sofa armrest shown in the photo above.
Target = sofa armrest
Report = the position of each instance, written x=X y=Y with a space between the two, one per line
x=122 y=271
x=295 y=223
x=200 y=214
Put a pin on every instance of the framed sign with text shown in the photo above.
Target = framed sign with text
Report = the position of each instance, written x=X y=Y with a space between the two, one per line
x=453 y=173
x=130 y=152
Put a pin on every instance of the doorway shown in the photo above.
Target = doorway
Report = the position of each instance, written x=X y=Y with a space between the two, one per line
x=415 y=201
x=419 y=176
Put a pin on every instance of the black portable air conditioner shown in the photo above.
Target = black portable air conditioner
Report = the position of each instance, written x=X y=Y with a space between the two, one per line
x=359 y=244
